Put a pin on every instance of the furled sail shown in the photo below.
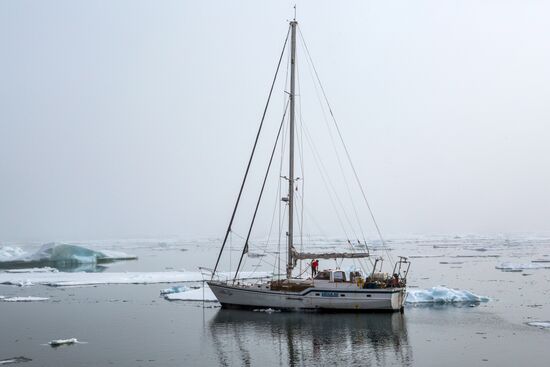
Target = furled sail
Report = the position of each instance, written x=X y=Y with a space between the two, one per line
x=330 y=255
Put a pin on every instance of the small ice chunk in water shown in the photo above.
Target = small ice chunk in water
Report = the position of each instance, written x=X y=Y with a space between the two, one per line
x=442 y=295
x=58 y=342
x=175 y=289
x=23 y=299
x=540 y=324
x=14 y=360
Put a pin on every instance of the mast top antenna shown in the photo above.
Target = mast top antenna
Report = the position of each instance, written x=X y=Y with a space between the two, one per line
x=294 y=12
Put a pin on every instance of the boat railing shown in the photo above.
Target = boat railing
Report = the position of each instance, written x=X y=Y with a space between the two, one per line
x=228 y=278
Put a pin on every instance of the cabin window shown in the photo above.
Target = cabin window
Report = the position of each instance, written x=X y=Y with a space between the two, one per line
x=368 y=295
x=317 y=294
x=339 y=276
x=342 y=295
x=323 y=275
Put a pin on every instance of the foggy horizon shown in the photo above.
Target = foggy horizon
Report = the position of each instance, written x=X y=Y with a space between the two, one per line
x=118 y=124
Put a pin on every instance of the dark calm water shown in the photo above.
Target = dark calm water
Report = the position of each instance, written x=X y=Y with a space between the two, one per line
x=130 y=325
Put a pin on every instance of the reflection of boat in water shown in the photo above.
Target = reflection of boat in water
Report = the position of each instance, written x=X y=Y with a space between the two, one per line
x=284 y=338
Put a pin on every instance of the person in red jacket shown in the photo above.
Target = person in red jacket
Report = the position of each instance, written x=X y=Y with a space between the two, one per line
x=314 y=267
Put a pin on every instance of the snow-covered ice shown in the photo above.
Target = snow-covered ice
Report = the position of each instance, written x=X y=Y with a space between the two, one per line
x=23 y=299
x=8 y=253
x=175 y=289
x=193 y=295
x=442 y=295
x=61 y=279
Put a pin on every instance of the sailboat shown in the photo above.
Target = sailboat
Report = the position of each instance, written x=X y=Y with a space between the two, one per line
x=327 y=289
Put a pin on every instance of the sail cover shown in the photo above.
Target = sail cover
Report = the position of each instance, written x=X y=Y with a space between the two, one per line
x=330 y=255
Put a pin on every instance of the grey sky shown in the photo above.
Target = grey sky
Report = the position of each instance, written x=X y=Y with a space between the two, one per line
x=135 y=118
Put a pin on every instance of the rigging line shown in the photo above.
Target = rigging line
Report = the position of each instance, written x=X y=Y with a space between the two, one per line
x=282 y=219
x=286 y=78
x=237 y=234
x=337 y=154
x=251 y=156
x=326 y=179
x=299 y=139
x=279 y=187
x=277 y=200
x=343 y=176
x=339 y=163
x=264 y=247
x=343 y=173
x=245 y=249
x=322 y=232
x=345 y=147
x=321 y=169
x=261 y=251
x=282 y=212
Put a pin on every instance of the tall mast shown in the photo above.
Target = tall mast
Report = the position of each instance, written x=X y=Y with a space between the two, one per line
x=289 y=266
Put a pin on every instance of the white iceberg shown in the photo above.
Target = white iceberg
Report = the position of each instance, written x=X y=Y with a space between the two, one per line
x=61 y=253
x=442 y=295
x=193 y=295
x=23 y=299
x=62 y=279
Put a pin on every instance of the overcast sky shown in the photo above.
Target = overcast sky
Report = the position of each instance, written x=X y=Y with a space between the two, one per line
x=135 y=118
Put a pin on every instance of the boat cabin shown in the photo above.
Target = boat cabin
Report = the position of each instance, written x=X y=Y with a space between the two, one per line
x=338 y=276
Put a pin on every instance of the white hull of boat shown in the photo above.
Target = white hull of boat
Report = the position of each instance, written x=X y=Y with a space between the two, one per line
x=313 y=298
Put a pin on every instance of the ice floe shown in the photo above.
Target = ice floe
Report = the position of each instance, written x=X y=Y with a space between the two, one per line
x=23 y=299
x=540 y=324
x=7 y=253
x=509 y=266
x=442 y=295
x=14 y=360
x=59 y=342
x=176 y=289
x=193 y=295
x=62 y=279
x=60 y=253
x=46 y=269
